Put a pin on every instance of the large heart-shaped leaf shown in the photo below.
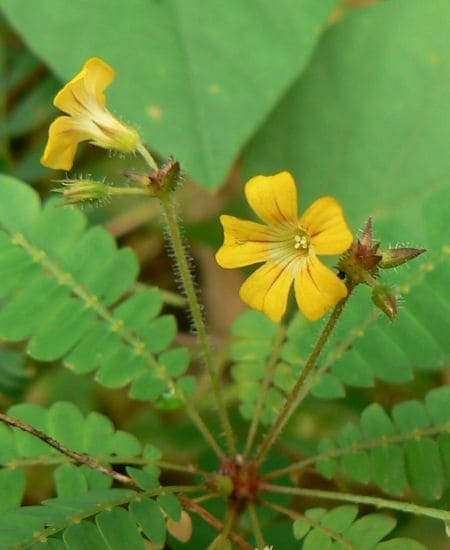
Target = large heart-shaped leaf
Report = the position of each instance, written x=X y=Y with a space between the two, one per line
x=196 y=77
x=368 y=120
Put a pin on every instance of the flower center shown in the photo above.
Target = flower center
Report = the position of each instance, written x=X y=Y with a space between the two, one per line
x=301 y=241
x=290 y=246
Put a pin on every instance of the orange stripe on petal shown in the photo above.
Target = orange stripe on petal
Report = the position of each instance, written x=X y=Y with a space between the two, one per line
x=267 y=290
x=317 y=289
x=245 y=243
x=325 y=222
x=273 y=198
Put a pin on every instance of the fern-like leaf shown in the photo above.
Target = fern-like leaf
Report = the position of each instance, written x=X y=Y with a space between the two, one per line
x=62 y=289
x=410 y=447
x=340 y=529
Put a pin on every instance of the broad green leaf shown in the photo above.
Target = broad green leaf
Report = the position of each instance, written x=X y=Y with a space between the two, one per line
x=368 y=119
x=34 y=109
x=207 y=81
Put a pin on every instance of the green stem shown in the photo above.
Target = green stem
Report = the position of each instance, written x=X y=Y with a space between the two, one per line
x=176 y=241
x=230 y=520
x=378 y=502
x=256 y=527
x=196 y=311
x=270 y=371
x=357 y=447
x=129 y=191
x=203 y=428
x=292 y=400
x=144 y=152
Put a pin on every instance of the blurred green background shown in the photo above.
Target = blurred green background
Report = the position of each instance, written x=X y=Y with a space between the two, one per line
x=351 y=96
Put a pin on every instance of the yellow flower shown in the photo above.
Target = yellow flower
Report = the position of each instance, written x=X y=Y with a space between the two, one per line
x=84 y=101
x=289 y=247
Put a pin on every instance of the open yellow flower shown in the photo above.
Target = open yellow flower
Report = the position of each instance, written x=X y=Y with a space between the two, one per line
x=289 y=247
x=84 y=101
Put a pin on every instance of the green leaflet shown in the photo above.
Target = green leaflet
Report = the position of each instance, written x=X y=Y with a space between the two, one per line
x=60 y=289
x=338 y=529
x=408 y=448
x=94 y=435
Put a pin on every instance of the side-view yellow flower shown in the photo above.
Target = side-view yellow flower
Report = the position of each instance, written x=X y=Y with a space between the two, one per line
x=83 y=99
x=289 y=247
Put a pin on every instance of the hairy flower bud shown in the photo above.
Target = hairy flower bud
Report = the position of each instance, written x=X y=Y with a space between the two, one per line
x=384 y=299
x=393 y=257
x=75 y=191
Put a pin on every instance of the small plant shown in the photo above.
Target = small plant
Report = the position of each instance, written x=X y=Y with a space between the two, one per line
x=70 y=294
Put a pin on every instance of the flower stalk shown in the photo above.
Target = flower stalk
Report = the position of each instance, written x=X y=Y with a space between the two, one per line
x=292 y=401
x=176 y=241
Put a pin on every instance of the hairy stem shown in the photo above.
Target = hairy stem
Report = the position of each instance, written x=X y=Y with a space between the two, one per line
x=292 y=400
x=188 y=284
x=270 y=371
x=145 y=153
x=256 y=527
x=378 y=502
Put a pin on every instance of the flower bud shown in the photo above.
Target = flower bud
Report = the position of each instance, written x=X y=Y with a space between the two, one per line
x=167 y=178
x=223 y=485
x=384 y=299
x=393 y=257
x=75 y=191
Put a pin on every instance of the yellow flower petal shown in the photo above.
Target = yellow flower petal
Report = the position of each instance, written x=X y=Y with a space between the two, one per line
x=325 y=223
x=317 y=289
x=63 y=138
x=273 y=198
x=267 y=290
x=245 y=243
x=86 y=88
